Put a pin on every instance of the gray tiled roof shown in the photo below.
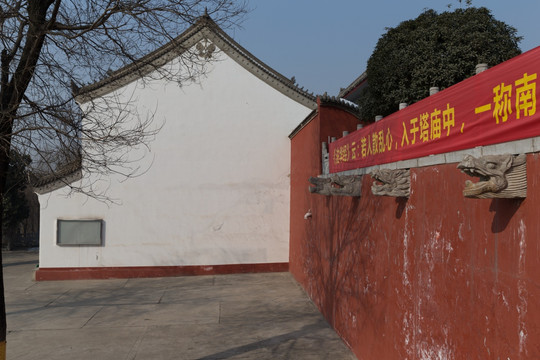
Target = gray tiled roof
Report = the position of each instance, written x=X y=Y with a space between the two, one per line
x=204 y=28
x=63 y=176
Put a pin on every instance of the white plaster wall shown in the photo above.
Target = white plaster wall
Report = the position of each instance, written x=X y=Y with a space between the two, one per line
x=217 y=190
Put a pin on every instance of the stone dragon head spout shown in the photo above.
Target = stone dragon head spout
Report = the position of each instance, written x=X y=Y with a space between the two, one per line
x=494 y=173
x=342 y=185
x=388 y=182
x=322 y=186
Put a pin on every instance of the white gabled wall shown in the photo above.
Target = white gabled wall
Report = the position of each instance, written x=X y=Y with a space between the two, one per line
x=217 y=190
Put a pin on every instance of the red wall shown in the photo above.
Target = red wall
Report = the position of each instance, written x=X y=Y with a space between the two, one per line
x=437 y=276
x=305 y=162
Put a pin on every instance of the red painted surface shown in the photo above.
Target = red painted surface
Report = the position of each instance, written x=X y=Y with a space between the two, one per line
x=43 y=274
x=328 y=122
x=437 y=276
x=468 y=114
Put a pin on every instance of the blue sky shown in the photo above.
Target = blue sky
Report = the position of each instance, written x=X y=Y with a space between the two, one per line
x=326 y=44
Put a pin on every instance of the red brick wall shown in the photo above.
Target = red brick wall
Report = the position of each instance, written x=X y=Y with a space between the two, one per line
x=434 y=276
x=306 y=162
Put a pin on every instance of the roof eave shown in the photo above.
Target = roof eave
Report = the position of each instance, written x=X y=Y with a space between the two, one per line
x=304 y=123
x=45 y=187
x=203 y=28
x=344 y=92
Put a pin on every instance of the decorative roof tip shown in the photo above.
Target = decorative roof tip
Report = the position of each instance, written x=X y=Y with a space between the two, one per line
x=206 y=17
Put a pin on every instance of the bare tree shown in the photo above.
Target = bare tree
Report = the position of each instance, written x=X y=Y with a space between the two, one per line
x=50 y=48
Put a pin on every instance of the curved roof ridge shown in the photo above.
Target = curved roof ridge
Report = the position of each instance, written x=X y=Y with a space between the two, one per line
x=290 y=83
x=203 y=27
x=339 y=102
x=64 y=175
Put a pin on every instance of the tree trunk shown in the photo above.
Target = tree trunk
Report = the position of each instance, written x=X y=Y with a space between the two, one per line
x=4 y=165
x=11 y=95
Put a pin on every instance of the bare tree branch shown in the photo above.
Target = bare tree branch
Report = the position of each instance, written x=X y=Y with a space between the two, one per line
x=49 y=47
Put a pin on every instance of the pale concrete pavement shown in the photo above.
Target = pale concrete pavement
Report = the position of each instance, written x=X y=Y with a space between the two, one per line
x=249 y=316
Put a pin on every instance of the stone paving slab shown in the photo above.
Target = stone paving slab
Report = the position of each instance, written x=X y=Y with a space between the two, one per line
x=246 y=316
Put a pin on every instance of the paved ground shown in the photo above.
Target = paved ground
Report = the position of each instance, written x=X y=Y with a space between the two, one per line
x=251 y=316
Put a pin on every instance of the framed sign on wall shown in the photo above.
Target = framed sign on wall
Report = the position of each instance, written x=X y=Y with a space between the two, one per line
x=79 y=232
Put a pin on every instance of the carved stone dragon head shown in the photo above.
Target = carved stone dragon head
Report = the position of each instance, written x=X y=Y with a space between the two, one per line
x=344 y=185
x=493 y=171
x=395 y=183
x=321 y=186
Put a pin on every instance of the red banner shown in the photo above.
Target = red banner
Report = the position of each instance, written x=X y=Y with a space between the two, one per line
x=495 y=106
